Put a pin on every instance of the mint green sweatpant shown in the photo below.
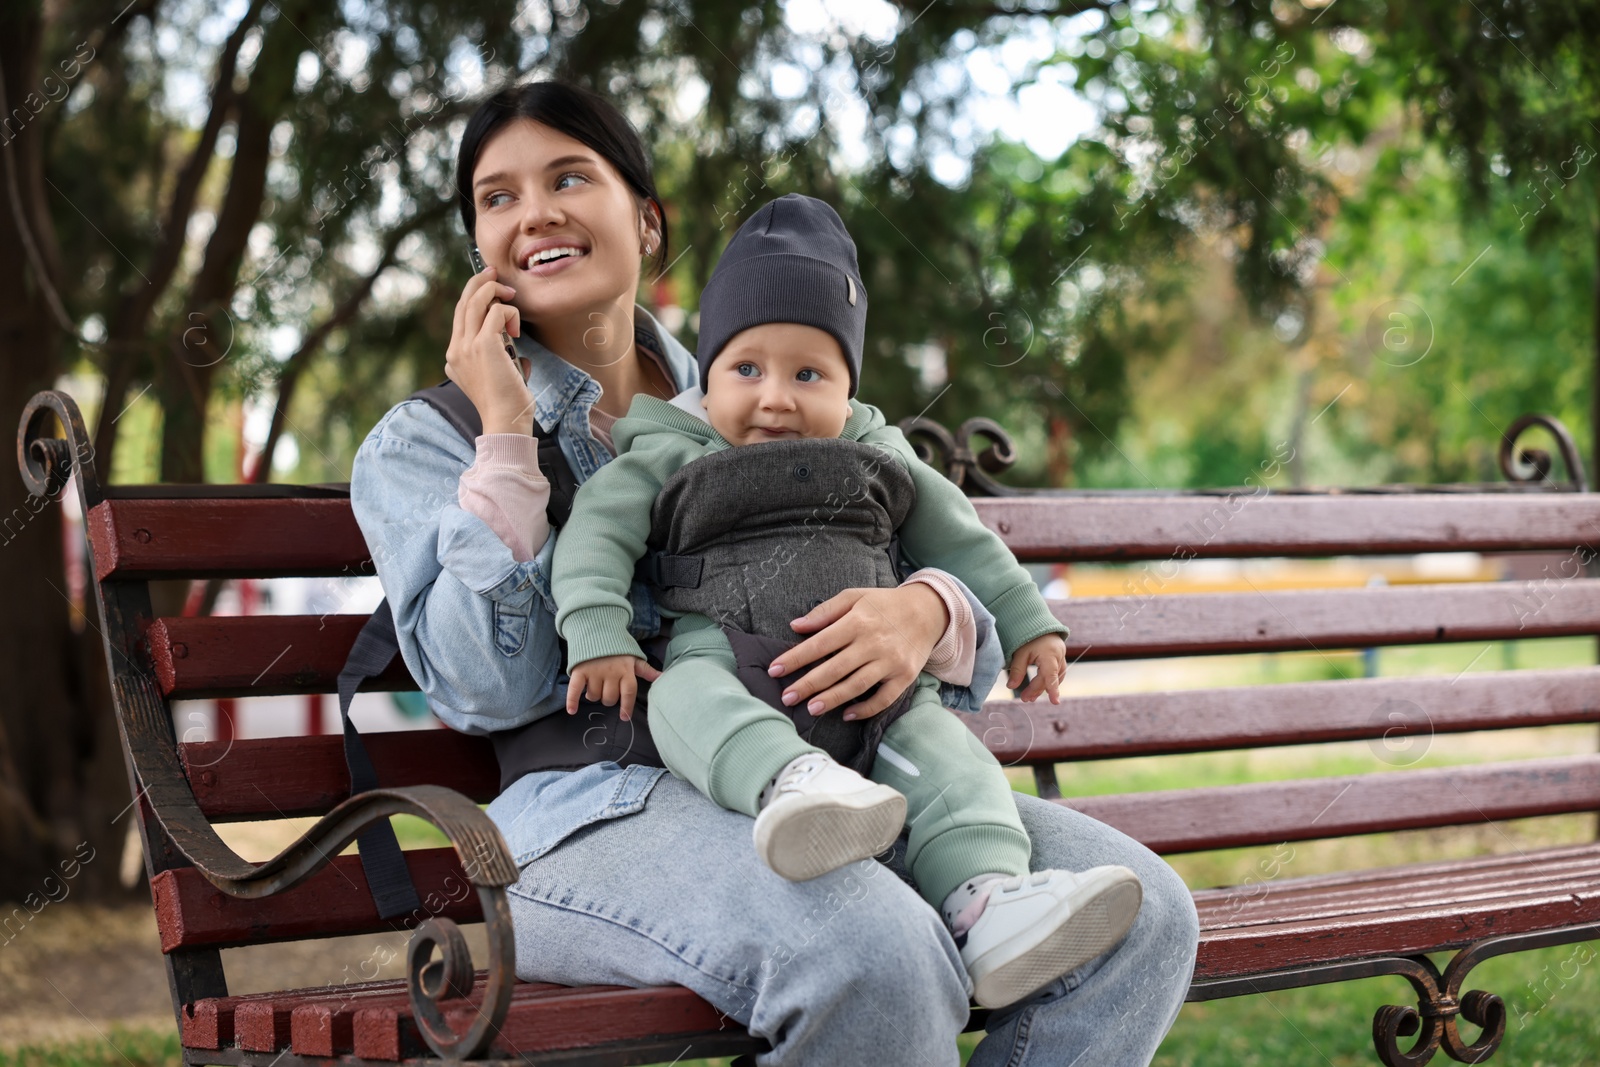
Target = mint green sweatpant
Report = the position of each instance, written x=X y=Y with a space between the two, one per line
x=728 y=744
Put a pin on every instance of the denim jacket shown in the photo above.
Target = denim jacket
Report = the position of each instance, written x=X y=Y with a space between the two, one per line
x=477 y=628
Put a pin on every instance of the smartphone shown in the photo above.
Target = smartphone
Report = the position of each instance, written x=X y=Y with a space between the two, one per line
x=478 y=267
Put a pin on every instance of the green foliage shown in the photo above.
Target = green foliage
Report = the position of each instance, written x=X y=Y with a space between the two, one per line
x=1037 y=290
x=1510 y=319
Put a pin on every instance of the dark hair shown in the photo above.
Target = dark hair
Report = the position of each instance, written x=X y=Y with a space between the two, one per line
x=580 y=114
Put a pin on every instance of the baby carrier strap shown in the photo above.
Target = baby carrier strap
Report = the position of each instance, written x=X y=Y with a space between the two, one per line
x=377 y=645
x=853 y=744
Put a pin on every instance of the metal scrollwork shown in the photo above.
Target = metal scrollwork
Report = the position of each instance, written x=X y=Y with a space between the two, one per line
x=1535 y=464
x=435 y=984
x=1395 y=1021
x=955 y=456
x=48 y=462
x=1442 y=1005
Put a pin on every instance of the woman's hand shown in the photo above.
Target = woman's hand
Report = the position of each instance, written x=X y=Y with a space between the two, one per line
x=880 y=637
x=477 y=360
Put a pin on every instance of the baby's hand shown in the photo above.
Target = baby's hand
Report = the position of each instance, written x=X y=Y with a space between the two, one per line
x=607 y=680
x=1048 y=652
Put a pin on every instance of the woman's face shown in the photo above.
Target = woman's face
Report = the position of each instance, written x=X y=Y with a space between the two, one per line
x=557 y=222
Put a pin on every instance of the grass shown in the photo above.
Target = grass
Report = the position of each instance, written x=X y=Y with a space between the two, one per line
x=1331 y=1025
x=119 y=1048
x=1549 y=994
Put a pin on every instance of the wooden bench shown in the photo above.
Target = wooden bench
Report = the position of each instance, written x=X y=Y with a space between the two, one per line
x=1289 y=932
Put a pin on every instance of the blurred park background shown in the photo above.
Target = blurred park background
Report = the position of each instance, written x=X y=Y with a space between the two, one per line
x=1173 y=243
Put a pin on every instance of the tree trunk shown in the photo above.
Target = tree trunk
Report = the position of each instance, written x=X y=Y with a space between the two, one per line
x=61 y=776
x=1594 y=369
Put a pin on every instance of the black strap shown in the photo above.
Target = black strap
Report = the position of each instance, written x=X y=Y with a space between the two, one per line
x=387 y=875
x=670 y=572
x=377 y=644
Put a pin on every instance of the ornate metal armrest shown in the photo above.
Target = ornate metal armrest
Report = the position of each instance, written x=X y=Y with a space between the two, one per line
x=484 y=855
x=48 y=465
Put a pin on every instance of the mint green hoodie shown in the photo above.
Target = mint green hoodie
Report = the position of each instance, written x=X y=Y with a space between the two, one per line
x=610 y=523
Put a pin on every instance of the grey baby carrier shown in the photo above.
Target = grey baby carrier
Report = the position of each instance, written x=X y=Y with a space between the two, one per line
x=756 y=536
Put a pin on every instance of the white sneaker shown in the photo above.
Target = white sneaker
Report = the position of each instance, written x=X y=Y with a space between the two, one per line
x=821 y=816
x=1038 y=927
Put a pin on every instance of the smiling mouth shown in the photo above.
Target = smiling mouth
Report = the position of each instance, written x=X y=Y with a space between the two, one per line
x=553 y=255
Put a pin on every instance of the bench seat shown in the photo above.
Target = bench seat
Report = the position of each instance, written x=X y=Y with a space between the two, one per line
x=1248 y=932
x=1393 y=911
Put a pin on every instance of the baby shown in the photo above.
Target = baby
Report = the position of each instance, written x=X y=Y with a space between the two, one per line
x=748 y=502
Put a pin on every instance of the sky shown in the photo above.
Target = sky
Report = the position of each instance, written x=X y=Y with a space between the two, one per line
x=1009 y=90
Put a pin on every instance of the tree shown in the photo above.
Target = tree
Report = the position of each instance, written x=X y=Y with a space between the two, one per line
x=213 y=203
x=1233 y=121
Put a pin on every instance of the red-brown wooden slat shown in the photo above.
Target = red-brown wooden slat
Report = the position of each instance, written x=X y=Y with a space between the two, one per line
x=225 y=538
x=291 y=776
x=1426 y=871
x=597 y=1016
x=322 y=1027
x=1560 y=858
x=278 y=777
x=377 y=1032
x=323 y=1019
x=1406 y=931
x=265 y=655
x=259 y=655
x=1405 y=710
x=1130 y=627
x=209 y=1023
x=1264 y=905
x=319 y=1018
x=1179 y=527
x=192 y=913
x=1190 y=820
x=544 y=1018
x=1266 y=899
x=198 y=537
x=262 y=1025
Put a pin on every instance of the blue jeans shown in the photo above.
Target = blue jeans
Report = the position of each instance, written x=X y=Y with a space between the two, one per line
x=852 y=967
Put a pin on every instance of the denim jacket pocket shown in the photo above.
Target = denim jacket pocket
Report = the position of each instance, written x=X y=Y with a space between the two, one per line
x=511 y=625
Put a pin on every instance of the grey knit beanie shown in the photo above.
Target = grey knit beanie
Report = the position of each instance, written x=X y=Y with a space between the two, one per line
x=792 y=261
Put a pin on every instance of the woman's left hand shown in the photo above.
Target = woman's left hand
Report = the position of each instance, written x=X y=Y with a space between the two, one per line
x=880 y=637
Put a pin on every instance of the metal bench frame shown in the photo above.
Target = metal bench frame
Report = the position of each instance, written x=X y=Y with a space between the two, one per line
x=457 y=1016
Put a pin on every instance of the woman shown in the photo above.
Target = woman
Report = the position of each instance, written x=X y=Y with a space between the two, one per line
x=630 y=876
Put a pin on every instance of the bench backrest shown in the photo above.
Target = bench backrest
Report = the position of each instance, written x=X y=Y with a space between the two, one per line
x=142 y=539
x=139 y=535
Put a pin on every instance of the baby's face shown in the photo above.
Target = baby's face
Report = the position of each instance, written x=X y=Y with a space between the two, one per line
x=778 y=381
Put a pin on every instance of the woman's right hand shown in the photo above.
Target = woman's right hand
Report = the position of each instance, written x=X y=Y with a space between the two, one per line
x=477 y=361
